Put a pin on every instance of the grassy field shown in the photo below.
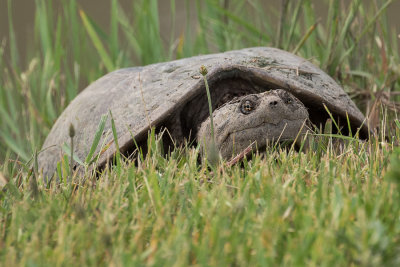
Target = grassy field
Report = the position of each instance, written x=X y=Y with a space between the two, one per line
x=321 y=207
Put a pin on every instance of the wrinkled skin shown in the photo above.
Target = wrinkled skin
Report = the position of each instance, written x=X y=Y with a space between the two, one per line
x=261 y=118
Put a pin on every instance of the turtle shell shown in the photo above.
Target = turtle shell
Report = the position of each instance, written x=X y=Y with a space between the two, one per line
x=168 y=93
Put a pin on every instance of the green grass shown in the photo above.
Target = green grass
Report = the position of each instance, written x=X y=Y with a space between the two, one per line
x=283 y=208
x=320 y=207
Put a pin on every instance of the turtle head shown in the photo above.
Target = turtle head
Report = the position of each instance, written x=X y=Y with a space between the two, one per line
x=262 y=118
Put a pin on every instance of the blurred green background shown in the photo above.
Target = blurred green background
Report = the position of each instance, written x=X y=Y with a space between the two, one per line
x=23 y=12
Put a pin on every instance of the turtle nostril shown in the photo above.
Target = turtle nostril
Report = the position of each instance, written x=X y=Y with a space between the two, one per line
x=273 y=103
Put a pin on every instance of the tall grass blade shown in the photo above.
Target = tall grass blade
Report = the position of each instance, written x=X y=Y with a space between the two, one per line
x=332 y=118
x=172 y=35
x=293 y=24
x=364 y=31
x=147 y=31
x=67 y=150
x=304 y=39
x=128 y=32
x=332 y=22
x=241 y=22
x=43 y=17
x=7 y=119
x=117 y=154
x=281 y=25
x=14 y=146
x=13 y=41
x=397 y=122
x=114 y=31
x=97 y=137
x=101 y=50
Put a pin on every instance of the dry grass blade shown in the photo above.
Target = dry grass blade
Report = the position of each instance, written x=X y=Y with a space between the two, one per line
x=3 y=180
x=241 y=155
x=305 y=37
x=373 y=116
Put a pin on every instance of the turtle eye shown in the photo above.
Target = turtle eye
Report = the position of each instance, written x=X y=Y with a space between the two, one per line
x=247 y=107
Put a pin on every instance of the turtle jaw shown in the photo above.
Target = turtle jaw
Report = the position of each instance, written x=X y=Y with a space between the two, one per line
x=262 y=136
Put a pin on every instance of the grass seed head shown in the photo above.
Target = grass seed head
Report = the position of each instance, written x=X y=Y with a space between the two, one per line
x=71 y=130
x=203 y=70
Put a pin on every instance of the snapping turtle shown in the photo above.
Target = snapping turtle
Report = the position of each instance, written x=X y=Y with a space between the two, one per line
x=274 y=115
x=172 y=95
